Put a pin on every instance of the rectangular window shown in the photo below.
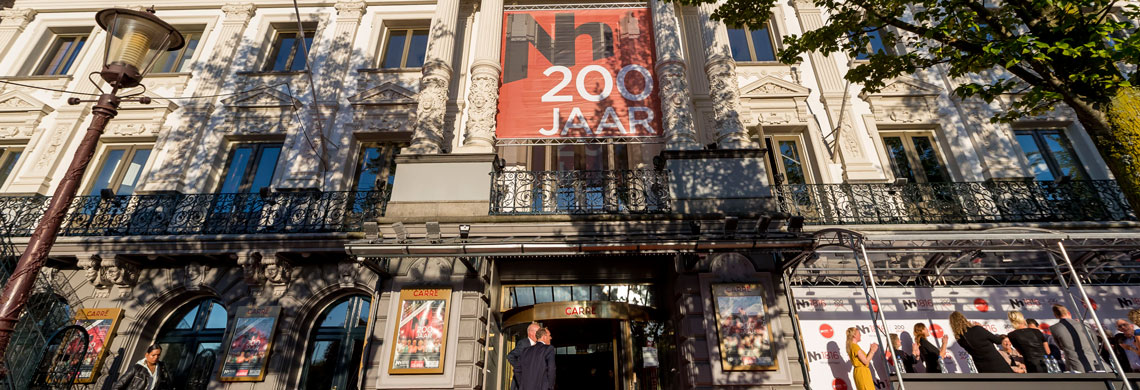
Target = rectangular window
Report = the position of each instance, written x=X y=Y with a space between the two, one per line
x=61 y=55
x=752 y=45
x=8 y=159
x=1050 y=154
x=874 y=45
x=915 y=157
x=405 y=48
x=786 y=160
x=287 y=54
x=376 y=170
x=179 y=60
x=120 y=169
x=250 y=167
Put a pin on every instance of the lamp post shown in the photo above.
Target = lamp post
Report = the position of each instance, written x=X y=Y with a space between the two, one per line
x=135 y=40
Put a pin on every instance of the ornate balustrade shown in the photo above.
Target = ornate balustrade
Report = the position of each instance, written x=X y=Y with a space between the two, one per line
x=968 y=202
x=183 y=214
x=580 y=192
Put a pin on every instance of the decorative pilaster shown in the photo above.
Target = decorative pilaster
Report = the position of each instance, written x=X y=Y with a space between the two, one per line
x=178 y=144
x=483 y=97
x=432 y=106
x=725 y=93
x=12 y=23
x=673 y=84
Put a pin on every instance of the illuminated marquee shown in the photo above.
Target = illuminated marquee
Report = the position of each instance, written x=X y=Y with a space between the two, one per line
x=578 y=74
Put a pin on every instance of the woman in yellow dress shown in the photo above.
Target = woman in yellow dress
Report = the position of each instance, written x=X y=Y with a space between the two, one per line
x=860 y=361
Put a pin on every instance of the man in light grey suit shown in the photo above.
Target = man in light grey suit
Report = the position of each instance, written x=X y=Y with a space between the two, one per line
x=516 y=354
x=1073 y=338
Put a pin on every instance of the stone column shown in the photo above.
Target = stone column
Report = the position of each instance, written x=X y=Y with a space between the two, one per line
x=176 y=146
x=12 y=23
x=851 y=145
x=431 y=109
x=672 y=82
x=483 y=96
x=725 y=93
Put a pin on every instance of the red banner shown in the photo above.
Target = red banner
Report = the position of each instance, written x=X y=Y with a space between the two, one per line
x=578 y=74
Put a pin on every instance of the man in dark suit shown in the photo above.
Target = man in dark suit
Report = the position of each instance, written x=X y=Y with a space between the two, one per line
x=516 y=354
x=538 y=364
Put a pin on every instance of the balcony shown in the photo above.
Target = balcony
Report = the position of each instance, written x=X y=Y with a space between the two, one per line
x=516 y=192
x=968 y=202
x=188 y=214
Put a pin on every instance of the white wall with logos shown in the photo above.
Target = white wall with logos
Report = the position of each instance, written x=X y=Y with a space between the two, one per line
x=825 y=313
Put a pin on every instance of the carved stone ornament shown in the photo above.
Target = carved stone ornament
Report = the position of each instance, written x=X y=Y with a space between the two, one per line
x=20 y=114
x=482 y=102
x=849 y=141
x=431 y=110
x=265 y=96
x=239 y=11
x=346 y=271
x=55 y=141
x=676 y=107
x=250 y=263
x=132 y=129
x=388 y=93
x=19 y=17
x=278 y=273
x=725 y=94
x=193 y=276
x=350 y=9
x=770 y=85
x=121 y=273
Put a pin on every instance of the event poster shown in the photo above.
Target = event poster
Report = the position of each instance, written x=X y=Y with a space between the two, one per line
x=742 y=325
x=421 y=334
x=100 y=325
x=578 y=74
x=247 y=352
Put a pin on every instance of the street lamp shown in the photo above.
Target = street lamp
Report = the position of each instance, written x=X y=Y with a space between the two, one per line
x=134 y=41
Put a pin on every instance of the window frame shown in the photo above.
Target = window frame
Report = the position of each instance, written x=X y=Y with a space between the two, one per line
x=772 y=36
x=907 y=137
x=6 y=152
x=348 y=332
x=251 y=168
x=887 y=49
x=198 y=334
x=129 y=151
x=388 y=171
x=1047 y=154
x=188 y=33
x=409 y=30
x=772 y=142
x=75 y=53
x=271 y=58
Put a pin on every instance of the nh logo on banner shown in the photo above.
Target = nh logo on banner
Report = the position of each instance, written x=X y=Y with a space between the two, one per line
x=578 y=74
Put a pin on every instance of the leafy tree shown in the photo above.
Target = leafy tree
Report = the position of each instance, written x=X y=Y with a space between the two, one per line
x=1036 y=53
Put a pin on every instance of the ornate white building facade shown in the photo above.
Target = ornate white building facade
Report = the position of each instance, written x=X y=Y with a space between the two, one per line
x=250 y=182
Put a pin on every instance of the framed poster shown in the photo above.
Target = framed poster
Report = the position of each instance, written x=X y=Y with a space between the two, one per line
x=247 y=351
x=742 y=327
x=421 y=333
x=100 y=325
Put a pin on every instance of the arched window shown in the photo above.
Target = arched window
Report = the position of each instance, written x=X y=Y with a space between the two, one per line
x=336 y=346
x=197 y=329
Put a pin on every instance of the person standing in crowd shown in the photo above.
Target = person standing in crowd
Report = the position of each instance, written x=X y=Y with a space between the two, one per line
x=1072 y=337
x=1053 y=351
x=146 y=374
x=1134 y=316
x=515 y=354
x=1125 y=347
x=1030 y=342
x=538 y=370
x=931 y=356
x=979 y=343
x=907 y=359
x=1012 y=358
x=861 y=362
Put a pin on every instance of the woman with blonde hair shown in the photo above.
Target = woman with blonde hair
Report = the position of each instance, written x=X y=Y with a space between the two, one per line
x=1030 y=342
x=927 y=352
x=860 y=361
x=979 y=343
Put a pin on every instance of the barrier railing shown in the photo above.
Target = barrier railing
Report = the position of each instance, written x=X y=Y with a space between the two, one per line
x=640 y=191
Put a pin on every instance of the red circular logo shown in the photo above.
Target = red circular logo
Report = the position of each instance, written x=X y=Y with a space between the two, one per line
x=1094 y=305
x=936 y=331
x=826 y=331
x=981 y=305
x=838 y=384
x=874 y=306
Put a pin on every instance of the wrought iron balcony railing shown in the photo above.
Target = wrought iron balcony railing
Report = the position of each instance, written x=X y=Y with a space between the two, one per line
x=185 y=214
x=969 y=202
x=580 y=192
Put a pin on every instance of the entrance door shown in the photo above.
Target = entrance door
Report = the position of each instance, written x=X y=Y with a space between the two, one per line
x=587 y=352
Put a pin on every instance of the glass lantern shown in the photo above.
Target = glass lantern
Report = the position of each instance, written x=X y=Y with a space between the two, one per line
x=135 y=39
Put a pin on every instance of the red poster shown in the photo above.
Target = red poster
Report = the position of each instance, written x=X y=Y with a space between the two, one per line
x=578 y=74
